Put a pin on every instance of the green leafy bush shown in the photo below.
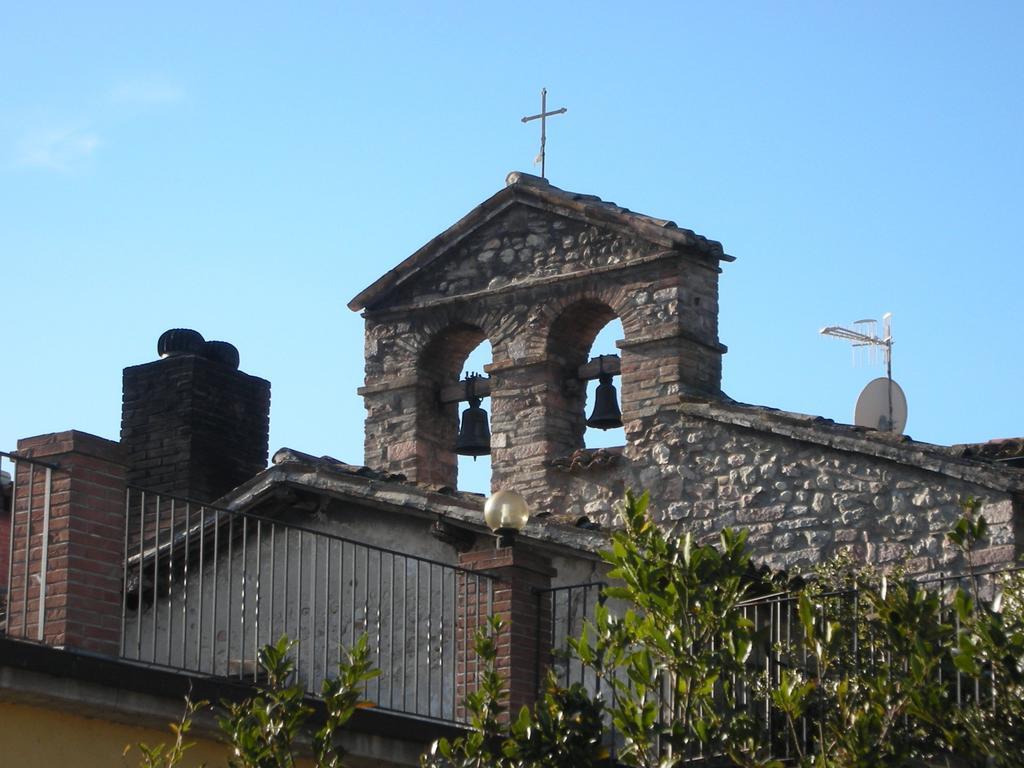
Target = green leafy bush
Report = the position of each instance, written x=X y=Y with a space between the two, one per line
x=871 y=670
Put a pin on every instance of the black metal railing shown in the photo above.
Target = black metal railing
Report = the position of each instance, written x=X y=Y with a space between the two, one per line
x=205 y=588
x=569 y=607
x=779 y=646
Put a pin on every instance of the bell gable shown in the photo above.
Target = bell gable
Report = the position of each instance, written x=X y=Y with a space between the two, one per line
x=536 y=272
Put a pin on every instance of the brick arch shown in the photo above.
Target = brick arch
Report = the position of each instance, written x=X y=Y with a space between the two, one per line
x=430 y=327
x=440 y=362
x=442 y=356
x=573 y=324
x=530 y=334
x=617 y=300
x=573 y=331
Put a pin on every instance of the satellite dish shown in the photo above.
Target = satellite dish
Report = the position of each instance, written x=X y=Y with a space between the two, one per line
x=873 y=406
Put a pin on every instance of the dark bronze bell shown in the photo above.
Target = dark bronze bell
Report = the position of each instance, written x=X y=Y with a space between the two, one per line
x=606 y=414
x=474 y=435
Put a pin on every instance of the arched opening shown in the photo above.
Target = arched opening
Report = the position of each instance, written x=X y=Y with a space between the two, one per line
x=604 y=344
x=475 y=471
x=572 y=343
x=457 y=349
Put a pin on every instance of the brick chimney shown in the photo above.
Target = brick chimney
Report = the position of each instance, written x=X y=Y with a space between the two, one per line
x=192 y=424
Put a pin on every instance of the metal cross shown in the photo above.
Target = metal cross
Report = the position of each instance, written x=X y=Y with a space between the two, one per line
x=544 y=115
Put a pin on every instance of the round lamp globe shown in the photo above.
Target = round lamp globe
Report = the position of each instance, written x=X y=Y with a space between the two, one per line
x=505 y=510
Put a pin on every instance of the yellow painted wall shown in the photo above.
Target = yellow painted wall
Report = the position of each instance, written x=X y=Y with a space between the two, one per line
x=33 y=736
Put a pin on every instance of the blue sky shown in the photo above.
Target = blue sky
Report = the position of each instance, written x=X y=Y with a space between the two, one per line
x=245 y=169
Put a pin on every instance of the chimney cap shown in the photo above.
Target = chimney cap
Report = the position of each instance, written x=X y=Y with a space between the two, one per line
x=185 y=341
x=221 y=352
x=180 y=341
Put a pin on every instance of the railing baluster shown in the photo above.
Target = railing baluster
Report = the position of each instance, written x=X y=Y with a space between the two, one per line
x=138 y=607
x=430 y=630
x=341 y=600
x=9 y=595
x=184 y=586
x=243 y=596
x=366 y=605
x=452 y=644
x=298 y=613
x=391 y=636
x=124 y=576
x=312 y=619
x=44 y=548
x=959 y=676
x=352 y=603
x=156 y=574
x=327 y=626
x=214 y=591
x=416 y=645
x=170 y=585
x=256 y=606
x=379 y=602
x=287 y=575
x=273 y=580
x=28 y=549
x=230 y=595
x=200 y=598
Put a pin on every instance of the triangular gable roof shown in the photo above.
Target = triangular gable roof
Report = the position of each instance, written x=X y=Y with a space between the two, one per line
x=535 y=191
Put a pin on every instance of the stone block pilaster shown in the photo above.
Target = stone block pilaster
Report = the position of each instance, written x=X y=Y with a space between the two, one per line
x=410 y=432
x=523 y=431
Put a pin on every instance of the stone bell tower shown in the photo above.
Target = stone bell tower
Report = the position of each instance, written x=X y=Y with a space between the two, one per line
x=538 y=272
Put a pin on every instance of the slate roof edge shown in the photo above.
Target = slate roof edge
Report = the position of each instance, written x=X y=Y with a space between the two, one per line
x=327 y=475
x=522 y=187
x=929 y=457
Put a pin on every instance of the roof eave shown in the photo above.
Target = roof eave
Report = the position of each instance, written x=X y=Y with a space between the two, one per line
x=879 y=445
x=466 y=511
x=432 y=248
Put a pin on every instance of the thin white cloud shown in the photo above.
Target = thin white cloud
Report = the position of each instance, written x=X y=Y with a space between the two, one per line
x=147 y=92
x=57 y=150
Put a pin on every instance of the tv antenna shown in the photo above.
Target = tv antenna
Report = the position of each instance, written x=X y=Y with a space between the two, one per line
x=882 y=404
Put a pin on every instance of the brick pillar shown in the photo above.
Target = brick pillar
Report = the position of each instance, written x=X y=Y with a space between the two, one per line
x=524 y=646
x=85 y=545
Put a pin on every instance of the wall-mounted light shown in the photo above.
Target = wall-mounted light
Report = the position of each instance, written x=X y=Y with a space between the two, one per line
x=506 y=513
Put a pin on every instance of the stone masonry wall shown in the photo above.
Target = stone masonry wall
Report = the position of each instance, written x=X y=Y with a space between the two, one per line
x=539 y=287
x=802 y=501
